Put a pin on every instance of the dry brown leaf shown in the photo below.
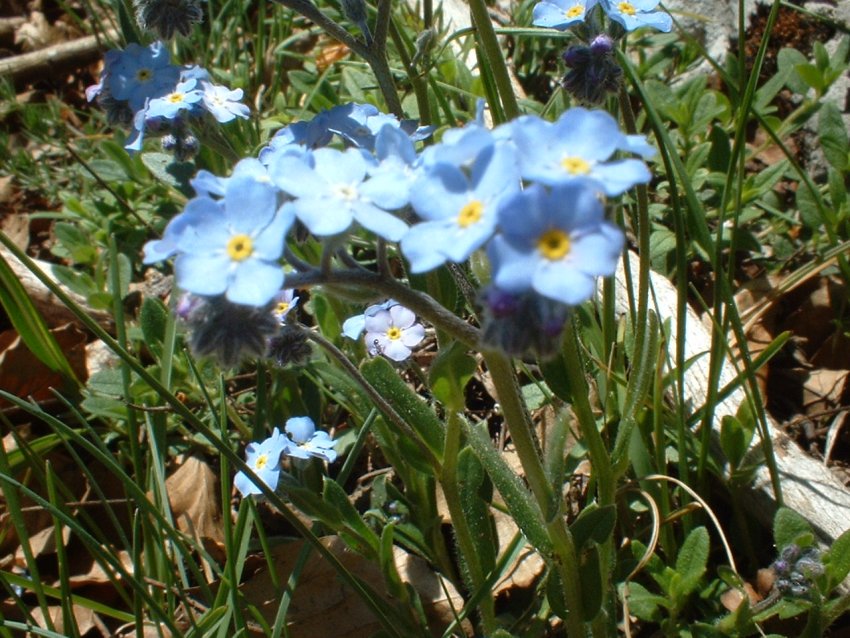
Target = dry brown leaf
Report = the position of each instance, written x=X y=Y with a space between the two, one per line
x=528 y=566
x=86 y=620
x=823 y=389
x=329 y=54
x=194 y=497
x=43 y=543
x=323 y=605
x=87 y=571
x=23 y=375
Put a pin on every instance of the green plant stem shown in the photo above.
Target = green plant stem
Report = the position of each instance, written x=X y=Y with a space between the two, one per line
x=494 y=59
x=463 y=533
x=374 y=54
x=419 y=84
x=521 y=429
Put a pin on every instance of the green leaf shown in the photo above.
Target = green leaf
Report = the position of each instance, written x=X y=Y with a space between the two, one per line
x=476 y=492
x=77 y=244
x=153 y=318
x=594 y=524
x=450 y=371
x=788 y=59
x=336 y=497
x=520 y=502
x=790 y=528
x=643 y=603
x=811 y=75
x=395 y=586
x=163 y=167
x=732 y=440
x=410 y=406
x=30 y=325
x=832 y=133
x=691 y=561
x=838 y=559
x=591 y=578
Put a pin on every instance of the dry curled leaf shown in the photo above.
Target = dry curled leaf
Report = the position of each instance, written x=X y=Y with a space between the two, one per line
x=322 y=605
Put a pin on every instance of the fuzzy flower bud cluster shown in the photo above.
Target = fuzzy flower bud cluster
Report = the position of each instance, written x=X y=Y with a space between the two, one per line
x=593 y=71
x=796 y=570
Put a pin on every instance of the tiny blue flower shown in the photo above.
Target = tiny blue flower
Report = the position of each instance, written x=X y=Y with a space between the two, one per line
x=284 y=302
x=393 y=333
x=224 y=103
x=458 y=207
x=305 y=442
x=330 y=193
x=184 y=97
x=560 y=14
x=354 y=326
x=233 y=245
x=138 y=73
x=264 y=460
x=555 y=242
x=633 y=14
x=577 y=146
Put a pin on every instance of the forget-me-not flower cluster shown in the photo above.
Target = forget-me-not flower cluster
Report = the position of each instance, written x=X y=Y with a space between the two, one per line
x=139 y=86
x=528 y=194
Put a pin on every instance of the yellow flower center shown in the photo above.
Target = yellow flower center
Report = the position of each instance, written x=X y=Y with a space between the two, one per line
x=175 y=98
x=143 y=75
x=554 y=244
x=393 y=333
x=574 y=11
x=575 y=165
x=282 y=307
x=261 y=461
x=240 y=247
x=627 y=8
x=470 y=214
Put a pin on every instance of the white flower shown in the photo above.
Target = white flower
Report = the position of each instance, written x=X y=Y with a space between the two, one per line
x=393 y=333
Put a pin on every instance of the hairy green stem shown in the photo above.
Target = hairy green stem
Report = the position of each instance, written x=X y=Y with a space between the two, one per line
x=463 y=533
x=521 y=429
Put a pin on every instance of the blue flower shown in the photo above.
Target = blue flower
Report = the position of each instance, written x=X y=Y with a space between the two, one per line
x=560 y=14
x=459 y=207
x=577 y=146
x=232 y=246
x=555 y=242
x=305 y=442
x=284 y=302
x=224 y=103
x=354 y=326
x=330 y=192
x=393 y=333
x=264 y=460
x=138 y=73
x=396 y=167
x=182 y=98
x=633 y=14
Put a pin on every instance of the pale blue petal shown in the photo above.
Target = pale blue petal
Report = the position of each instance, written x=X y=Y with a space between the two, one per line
x=619 y=176
x=202 y=274
x=421 y=246
x=249 y=205
x=335 y=167
x=380 y=222
x=563 y=283
x=254 y=282
x=294 y=174
x=269 y=243
x=513 y=269
x=300 y=428
x=353 y=326
x=323 y=216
